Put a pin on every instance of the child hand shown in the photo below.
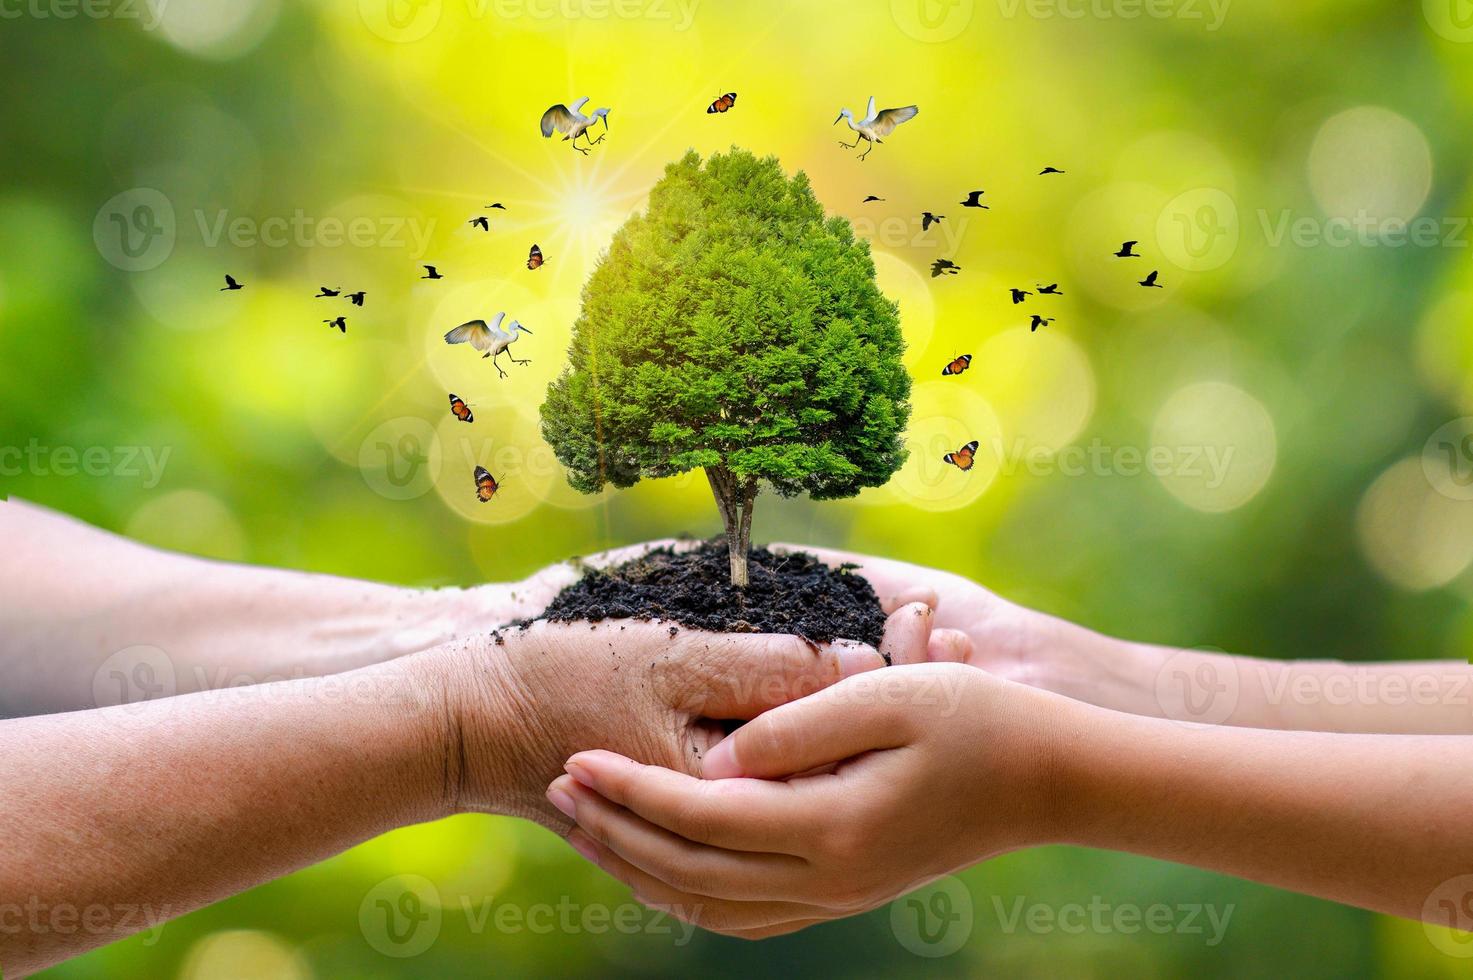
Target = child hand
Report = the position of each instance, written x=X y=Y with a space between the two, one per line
x=912 y=772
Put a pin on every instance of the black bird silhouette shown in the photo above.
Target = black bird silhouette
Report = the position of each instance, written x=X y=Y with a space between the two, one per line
x=1150 y=281
x=1049 y=170
x=498 y=206
x=328 y=292
x=1052 y=290
x=230 y=283
x=1039 y=321
x=974 y=200
x=1018 y=295
x=357 y=298
x=480 y=222
x=431 y=273
x=943 y=267
x=871 y=198
x=928 y=219
x=1125 y=251
x=341 y=323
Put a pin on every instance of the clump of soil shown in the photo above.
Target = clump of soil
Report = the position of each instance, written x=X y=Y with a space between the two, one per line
x=790 y=593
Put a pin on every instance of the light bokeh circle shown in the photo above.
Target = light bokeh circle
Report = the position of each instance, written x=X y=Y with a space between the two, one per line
x=945 y=415
x=1412 y=535
x=1217 y=443
x=245 y=954
x=512 y=450
x=900 y=282
x=1040 y=383
x=1369 y=162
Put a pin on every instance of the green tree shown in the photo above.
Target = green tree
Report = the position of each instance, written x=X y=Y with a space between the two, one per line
x=733 y=327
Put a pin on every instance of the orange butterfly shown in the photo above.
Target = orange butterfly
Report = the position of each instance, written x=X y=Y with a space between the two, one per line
x=722 y=104
x=964 y=457
x=460 y=409
x=486 y=485
x=957 y=366
x=534 y=258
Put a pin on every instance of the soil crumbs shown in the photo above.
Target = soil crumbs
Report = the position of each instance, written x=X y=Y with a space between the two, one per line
x=789 y=593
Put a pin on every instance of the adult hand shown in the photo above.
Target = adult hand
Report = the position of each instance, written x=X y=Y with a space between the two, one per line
x=523 y=702
x=923 y=769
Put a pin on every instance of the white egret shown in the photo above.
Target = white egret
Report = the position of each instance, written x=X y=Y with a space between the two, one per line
x=571 y=122
x=875 y=125
x=489 y=338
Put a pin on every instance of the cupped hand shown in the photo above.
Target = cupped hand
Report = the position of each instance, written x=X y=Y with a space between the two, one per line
x=883 y=806
x=1008 y=640
x=521 y=703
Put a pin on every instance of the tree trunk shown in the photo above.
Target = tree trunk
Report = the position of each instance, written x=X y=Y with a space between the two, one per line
x=735 y=503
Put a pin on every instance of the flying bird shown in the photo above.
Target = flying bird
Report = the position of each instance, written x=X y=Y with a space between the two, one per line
x=486 y=485
x=480 y=222
x=460 y=409
x=1125 y=251
x=1050 y=290
x=1040 y=321
x=328 y=292
x=974 y=200
x=571 y=122
x=230 y=283
x=534 y=258
x=1150 y=281
x=928 y=219
x=340 y=323
x=357 y=298
x=871 y=198
x=431 y=273
x=489 y=338
x=957 y=366
x=498 y=206
x=1050 y=170
x=875 y=126
x=1019 y=294
x=944 y=267
x=964 y=457
x=722 y=104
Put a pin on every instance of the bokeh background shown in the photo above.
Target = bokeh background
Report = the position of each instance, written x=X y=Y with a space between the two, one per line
x=1299 y=174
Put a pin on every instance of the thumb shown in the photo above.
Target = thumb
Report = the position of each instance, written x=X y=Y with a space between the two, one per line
x=907 y=634
x=839 y=722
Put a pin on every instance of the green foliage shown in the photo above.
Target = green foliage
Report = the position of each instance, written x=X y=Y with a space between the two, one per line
x=733 y=326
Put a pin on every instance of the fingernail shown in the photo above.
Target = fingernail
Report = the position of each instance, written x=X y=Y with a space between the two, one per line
x=720 y=762
x=580 y=772
x=579 y=842
x=563 y=801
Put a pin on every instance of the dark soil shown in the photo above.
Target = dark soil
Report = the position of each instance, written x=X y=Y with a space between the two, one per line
x=792 y=593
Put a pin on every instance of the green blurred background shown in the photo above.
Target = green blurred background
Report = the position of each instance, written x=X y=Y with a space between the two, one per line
x=1266 y=155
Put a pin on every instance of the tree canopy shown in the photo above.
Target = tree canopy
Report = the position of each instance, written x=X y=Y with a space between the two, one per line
x=732 y=326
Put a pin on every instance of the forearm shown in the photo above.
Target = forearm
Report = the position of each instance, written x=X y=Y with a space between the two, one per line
x=1413 y=697
x=169 y=805
x=88 y=619
x=1377 y=821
